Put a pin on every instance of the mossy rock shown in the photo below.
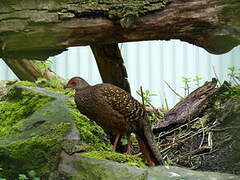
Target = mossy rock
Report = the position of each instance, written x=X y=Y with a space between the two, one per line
x=127 y=159
x=87 y=168
x=36 y=125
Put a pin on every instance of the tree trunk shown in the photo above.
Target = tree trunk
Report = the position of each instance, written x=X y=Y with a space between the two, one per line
x=38 y=29
x=110 y=64
x=28 y=70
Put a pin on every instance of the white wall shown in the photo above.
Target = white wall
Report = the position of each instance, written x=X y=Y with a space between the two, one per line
x=148 y=65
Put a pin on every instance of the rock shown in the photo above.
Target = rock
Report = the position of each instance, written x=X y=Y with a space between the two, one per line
x=36 y=126
x=81 y=167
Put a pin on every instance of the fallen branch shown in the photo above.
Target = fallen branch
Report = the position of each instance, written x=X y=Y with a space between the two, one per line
x=189 y=108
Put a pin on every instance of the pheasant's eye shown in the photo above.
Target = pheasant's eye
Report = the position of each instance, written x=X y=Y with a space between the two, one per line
x=73 y=83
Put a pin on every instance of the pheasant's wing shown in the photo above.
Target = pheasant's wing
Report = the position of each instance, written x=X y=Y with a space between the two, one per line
x=121 y=101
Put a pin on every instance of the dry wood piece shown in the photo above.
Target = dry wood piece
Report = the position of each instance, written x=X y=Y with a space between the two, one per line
x=189 y=108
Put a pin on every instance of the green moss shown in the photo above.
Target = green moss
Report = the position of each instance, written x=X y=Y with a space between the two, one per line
x=26 y=83
x=31 y=133
x=92 y=134
x=37 y=153
x=32 y=128
x=114 y=9
x=59 y=129
x=53 y=83
x=127 y=159
x=66 y=92
x=16 y=109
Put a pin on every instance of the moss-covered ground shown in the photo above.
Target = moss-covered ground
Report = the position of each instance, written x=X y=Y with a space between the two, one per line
x=127 y=159
x=16 y=109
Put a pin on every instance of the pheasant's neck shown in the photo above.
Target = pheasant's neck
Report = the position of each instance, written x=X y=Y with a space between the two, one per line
x=83 y=87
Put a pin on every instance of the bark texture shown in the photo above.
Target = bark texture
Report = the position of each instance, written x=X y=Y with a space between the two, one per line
x=28 y=70
x=42 y=28
x=191 y=107
x=111 y=66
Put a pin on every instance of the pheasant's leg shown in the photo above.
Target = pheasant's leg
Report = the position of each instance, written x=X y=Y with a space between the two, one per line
x=115 y=143
x=129 y=144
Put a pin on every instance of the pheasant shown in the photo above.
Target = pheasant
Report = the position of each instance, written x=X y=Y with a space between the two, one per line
x=115 y=110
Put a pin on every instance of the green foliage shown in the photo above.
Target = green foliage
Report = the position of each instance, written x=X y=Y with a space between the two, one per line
x=44 y=66
x=133 y=139
x=154 y=117
x=234 y=76
x=146 y=99
x=197 y=80
x=31 y=175
x=146 y=96
x=186 y=87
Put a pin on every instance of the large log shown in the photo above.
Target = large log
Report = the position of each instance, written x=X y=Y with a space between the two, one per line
x=38 y=29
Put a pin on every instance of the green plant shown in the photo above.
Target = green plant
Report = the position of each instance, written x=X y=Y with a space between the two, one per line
x=1 y=177
x=146 y=101
x=146 y=97
x=186 y=87
x=154 y=117
x=234 y=76
x=44 y=65
x=22 y=177
x=197 y=80
x=31 y=175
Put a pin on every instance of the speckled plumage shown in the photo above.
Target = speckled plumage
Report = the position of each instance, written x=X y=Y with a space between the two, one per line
x=116 y=110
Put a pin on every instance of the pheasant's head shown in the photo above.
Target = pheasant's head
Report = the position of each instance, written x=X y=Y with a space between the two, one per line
x=77 y=83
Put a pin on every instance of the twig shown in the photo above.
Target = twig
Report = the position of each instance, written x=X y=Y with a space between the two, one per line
x=143 y=103
x=203 y=134
x=200 y=131
x=225 y=129
x=228 y=86
x=200 y=150
x=210 y=143
x=174 y=90
x=169 y=132
x=215 y=73
x=165 y=99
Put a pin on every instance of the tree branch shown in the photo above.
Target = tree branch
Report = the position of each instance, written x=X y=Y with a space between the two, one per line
x=28 y=70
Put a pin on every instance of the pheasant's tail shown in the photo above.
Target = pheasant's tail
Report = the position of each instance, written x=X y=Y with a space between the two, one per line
x=149 y=148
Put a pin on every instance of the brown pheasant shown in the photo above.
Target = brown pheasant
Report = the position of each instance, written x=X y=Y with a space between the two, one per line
x=117 y=111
